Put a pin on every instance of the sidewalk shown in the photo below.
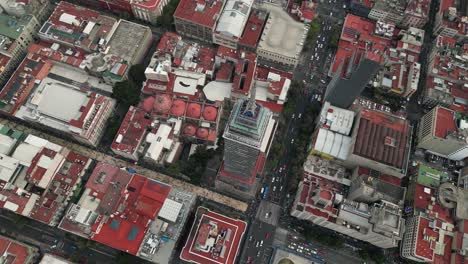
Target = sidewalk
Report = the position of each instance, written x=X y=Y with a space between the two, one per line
x=98 y=156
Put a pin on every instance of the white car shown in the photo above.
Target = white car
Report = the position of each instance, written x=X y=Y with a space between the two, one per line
x=292 y=141
x=261 y=243
x=273 y=179
x=293 y=115
x=300 y=115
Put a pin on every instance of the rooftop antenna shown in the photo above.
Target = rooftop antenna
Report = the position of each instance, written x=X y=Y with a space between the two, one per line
x=251 y=104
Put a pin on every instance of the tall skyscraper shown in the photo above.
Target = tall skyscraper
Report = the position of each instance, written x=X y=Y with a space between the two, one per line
x=345 y=87
x=247 y=137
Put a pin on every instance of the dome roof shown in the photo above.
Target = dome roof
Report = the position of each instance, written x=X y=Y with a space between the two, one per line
x=210 y=113
x=190 y=129
x=178 y=108
x=202 y=133
x=194 y=110
x=162 y=103
x=148 y=104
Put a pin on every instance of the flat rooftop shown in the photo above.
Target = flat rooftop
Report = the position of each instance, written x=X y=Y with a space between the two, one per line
x=130 y=212
x=126 y=40
x=254 y=28
x=383 y=138
x=14 y=252
x=77 y=26
x=445 y=122
x=131 y=131
x=358 y=41
x=31 y=70
x=430 y=177
x=11 y=26
x=213 y=239
x=282 y=34
x=65 y=109
x=203 y=12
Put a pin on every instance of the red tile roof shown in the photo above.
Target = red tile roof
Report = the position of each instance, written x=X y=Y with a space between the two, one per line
x=60 y=28
x=244 y=72
x=445 y=122
x=132 y=131
x=50 y=203
x=4 y=60
x=206 y=15
x=225 y=249
x=420 y=7
x=33 y=68
x=167 y=44
x=308 y=10
x=327 y=190
x=375 y=129
x=253 y=30
x=425 y=247
x=225 y=72
x=357 y=39
x=446 y=61
x=150 y=5
x=422 y=200
x=72 y=57
x=141 y=200
x=14 y=252
x=458 y=24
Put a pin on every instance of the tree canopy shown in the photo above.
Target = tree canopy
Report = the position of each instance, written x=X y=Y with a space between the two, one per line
x=166 y=20
x=126 y=92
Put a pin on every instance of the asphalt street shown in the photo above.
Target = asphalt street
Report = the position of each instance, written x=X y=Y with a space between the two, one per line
x=312 y=71
x=52 y=240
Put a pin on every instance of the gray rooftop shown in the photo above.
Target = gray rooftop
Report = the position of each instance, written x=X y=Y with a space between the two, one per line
x=282 y=34
x=126 y=39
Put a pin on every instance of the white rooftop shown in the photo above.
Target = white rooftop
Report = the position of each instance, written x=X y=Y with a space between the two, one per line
x=185 y=85
x=60 y=101
x=158 y=142
x=8 y=166
x=217 y=91
x=234 y=17
x=337 y=119
x=6 y=143
x=170 y=210
x=25 y=153
x=333 y=144
x=51 y=259
x=282 y=34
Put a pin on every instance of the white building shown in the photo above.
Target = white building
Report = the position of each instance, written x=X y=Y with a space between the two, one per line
x=232 y=22
x=64 y=107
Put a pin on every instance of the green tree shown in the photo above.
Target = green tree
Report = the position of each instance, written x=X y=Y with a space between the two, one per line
x=335 y=38
x=166 y=20
x=125 y=258
x=174 y=168
x=196 y=164
x=126 y=92
x=21 y=221
x=313 y=32
x=136 y=74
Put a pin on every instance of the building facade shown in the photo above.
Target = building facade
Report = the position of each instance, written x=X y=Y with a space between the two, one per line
x=247 y=138
x=16 y=33
x=443 y=132
x=198 y=19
